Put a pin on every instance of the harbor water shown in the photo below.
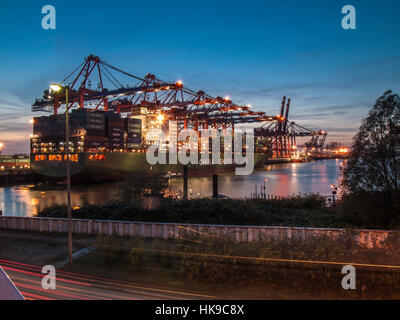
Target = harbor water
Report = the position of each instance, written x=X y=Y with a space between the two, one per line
x=280 y=180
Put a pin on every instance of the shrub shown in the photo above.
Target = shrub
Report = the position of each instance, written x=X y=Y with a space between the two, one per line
x=299 y=201
x=298 y=210
x=370 y=210
x=136 y=186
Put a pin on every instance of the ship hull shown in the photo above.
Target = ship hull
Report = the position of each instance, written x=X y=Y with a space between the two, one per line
x=117 y=165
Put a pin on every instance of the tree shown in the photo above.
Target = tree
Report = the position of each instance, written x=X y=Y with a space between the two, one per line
x=139 y=185
x=374 y=163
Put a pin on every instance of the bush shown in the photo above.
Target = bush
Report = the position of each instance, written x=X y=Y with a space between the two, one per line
x=139 y=185
x=301 y=210
x=299 y=201
x=370 y=210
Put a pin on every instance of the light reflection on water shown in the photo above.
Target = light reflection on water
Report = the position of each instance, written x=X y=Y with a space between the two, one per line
x=22 y=201
x=283 y=179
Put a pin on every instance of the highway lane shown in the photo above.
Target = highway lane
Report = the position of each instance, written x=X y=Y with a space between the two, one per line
x=73 y=286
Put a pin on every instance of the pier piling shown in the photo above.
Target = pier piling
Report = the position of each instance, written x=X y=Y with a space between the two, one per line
x=215 y=186
x=185 y=182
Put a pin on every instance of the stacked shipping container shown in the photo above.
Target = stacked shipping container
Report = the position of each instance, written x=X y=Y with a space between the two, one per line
x=133 y=133
x=90 y=131
x=48 y=127
x=89 y=124
x=115 y=129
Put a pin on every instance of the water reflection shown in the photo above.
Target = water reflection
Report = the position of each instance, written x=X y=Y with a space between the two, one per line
x=23 y=201
x=282 y=179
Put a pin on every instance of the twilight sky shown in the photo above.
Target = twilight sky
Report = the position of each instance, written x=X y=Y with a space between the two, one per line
x=253 y=51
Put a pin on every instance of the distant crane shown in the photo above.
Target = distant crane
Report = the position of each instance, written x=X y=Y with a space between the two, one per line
x=279 y=138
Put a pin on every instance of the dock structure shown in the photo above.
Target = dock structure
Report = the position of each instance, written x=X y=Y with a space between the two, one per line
x=16 y=169
x=16 y=176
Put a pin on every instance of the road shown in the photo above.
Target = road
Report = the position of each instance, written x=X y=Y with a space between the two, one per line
x=72 y=286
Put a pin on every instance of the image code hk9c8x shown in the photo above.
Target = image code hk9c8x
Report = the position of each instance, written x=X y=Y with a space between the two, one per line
x=209 y=157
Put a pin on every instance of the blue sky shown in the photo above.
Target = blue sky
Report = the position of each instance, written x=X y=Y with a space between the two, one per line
x=253 y=51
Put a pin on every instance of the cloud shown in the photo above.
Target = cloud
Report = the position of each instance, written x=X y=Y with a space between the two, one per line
x=14 y=124
x=11 y=102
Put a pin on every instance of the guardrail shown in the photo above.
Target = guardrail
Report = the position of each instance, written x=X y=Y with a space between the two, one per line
x=160 y=230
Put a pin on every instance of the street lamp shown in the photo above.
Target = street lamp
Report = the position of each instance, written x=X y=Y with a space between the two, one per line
x=56 y=88
x=1 y=147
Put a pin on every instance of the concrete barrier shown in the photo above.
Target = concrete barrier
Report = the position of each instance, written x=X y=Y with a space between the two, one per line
x=160 y=230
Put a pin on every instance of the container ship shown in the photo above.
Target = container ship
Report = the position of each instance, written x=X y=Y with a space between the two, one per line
x=103 y=146
x=110 y=130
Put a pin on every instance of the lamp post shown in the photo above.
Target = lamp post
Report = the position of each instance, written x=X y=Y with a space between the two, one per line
x=1 y=147
x=57 y=87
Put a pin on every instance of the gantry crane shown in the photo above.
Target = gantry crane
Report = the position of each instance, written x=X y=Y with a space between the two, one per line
x=189 y=108
x=172 y=100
